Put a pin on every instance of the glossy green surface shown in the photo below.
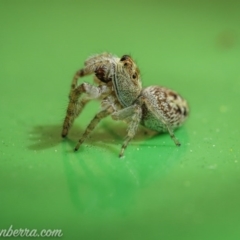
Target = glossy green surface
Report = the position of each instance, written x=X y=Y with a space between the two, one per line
x=157 y=191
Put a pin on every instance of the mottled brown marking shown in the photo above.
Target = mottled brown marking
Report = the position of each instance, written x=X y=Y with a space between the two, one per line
x=185 y=113
x=158 y=92
x=178 y=110
x=174 y=95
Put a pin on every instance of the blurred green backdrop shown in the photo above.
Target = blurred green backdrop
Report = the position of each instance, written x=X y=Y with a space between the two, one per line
x=157 y=191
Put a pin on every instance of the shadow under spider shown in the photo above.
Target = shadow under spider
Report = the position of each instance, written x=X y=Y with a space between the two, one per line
x=49 y=136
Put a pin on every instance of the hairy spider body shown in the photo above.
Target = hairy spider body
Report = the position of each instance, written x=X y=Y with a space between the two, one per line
x=119 y=88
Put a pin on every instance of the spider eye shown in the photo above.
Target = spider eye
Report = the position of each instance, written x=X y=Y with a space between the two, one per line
x=124 y=57
x=134 y=76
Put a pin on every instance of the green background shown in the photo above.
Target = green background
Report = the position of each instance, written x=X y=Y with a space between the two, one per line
x=157 y=191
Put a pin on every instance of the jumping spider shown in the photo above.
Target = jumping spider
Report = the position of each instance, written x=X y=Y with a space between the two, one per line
x=119 y=88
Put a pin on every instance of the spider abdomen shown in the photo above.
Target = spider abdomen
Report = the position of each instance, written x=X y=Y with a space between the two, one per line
x=163 y=107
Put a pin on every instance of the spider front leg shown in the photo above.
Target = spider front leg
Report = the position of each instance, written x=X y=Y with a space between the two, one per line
x=133 y=115
x=80 y=73
x=100 y=65
x=104 y=113
x=75 y=106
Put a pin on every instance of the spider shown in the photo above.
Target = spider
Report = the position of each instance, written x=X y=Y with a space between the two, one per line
x=119 y=88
